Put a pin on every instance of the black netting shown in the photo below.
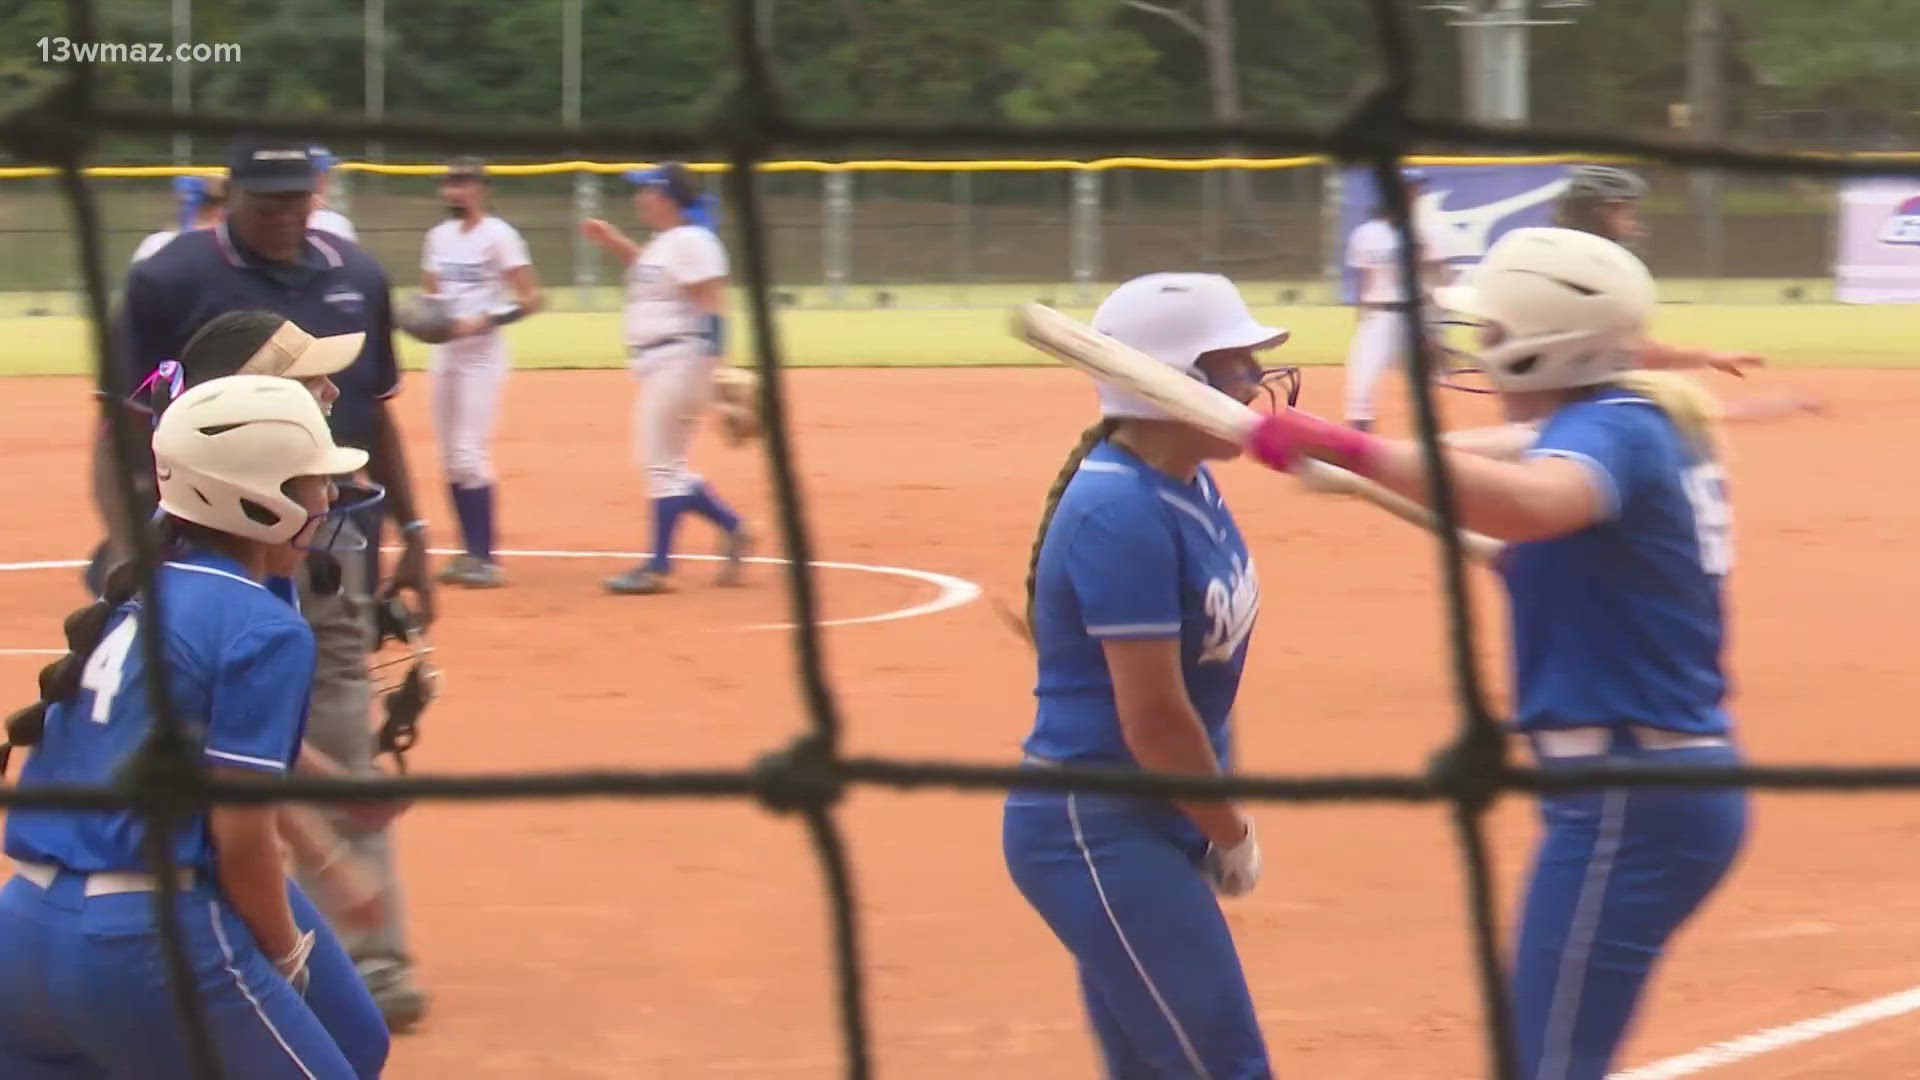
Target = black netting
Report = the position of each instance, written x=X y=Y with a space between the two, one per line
x=749 y=124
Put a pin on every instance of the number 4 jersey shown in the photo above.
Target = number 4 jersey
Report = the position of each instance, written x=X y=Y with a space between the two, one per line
x=1621 y=622
x=238 y=668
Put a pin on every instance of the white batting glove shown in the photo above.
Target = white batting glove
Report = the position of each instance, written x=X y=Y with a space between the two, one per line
x=1235 y=870
x=293 y=966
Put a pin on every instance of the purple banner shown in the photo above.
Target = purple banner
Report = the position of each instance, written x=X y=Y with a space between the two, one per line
x=1473 y=205
x=1878 y=257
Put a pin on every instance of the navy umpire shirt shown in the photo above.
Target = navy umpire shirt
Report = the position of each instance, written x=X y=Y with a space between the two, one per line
x=335 y=288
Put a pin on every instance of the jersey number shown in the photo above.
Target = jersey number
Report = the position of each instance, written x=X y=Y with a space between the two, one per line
x=102 y=673
x=1706 y=487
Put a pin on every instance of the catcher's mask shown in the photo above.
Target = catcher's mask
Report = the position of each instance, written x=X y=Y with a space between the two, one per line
x=404 y=675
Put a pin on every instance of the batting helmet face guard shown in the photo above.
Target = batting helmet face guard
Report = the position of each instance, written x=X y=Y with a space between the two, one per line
x=1557 y=309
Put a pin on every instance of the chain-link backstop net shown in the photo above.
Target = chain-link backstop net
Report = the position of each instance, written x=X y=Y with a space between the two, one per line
x=808 y=777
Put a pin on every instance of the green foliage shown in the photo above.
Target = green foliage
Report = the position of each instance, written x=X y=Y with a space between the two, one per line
x=1620 y=64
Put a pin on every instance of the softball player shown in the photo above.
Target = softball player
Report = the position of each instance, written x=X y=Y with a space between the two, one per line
x=1380 y=336
x=324 y=217
x=469 y=261
x=243 y=466
x=1142 y=598
x=203 y=204
x=1620 y=542
x=676 y=300
x=1605 y=201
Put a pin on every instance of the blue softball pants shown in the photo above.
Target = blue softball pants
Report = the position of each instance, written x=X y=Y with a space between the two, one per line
x=1618 y=871
x=1118 y=880
x=85 y=992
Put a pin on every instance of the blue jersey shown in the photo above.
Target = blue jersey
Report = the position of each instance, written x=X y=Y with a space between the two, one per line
x=1620 y=623
x=239 y=665
x=1134 y=553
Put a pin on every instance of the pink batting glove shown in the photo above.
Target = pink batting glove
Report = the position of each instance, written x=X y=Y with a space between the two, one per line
x=1286 y=437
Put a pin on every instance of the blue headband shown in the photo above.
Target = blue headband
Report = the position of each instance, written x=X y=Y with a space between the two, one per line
x=192 y=193
x=703 y=211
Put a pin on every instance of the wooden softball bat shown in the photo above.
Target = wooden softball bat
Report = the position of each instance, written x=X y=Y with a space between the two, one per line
x=1085 y=349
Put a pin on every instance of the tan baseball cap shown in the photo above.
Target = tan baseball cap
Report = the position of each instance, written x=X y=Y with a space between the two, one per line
x=292 y=353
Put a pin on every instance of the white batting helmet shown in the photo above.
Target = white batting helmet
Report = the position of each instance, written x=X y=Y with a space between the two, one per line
x=1176 y=318
x=224 y=451
x=1569 y=308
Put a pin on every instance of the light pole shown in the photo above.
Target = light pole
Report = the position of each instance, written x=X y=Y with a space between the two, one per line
x=1495 y=49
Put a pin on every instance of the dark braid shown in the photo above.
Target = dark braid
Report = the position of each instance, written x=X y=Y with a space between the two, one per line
x=1089 y=439
x=60 y=680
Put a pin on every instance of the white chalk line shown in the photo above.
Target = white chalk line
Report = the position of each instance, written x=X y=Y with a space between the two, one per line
x=1777 y=1038
x=953 y=591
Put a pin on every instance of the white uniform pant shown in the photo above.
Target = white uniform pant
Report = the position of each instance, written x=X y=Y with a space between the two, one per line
x=468 y=378
x=1379 y=342
x=676 y=384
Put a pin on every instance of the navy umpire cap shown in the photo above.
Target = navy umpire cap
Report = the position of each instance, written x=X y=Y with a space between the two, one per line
x=270 y=168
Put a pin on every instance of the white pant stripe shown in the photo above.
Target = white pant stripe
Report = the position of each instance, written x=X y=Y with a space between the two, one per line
x=1564 y=1013
x=226 y=952
x=1180 y=1033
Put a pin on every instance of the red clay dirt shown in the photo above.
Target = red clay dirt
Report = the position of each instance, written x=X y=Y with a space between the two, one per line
x=592 y=939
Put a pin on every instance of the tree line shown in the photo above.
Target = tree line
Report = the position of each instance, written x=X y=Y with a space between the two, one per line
x=1837 y=72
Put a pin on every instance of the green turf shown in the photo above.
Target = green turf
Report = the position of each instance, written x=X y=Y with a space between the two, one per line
x=1803 y=334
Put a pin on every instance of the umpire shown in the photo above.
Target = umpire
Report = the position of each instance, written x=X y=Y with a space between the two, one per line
x=264 y=257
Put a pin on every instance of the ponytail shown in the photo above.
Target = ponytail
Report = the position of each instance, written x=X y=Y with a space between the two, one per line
x=1089 y=439
x=1691 y=408
x=60 y=680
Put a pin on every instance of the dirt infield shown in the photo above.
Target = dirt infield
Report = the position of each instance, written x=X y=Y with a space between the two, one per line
x=591 y=939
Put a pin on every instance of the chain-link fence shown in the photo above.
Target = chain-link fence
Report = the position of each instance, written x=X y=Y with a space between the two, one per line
x=933 y=234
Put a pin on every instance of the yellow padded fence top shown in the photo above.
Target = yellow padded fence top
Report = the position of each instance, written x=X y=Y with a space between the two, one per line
x=552 y=168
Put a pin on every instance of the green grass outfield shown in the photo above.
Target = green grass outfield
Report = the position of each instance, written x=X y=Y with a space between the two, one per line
x=1793 y=334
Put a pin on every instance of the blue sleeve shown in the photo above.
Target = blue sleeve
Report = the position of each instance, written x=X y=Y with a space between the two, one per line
x=1125 y=573
x=1609 y=438
x=259 y=707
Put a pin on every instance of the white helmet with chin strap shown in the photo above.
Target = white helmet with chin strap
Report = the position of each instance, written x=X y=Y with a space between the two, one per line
x=1567 y=308
x=1176 y=318
x=224 y=451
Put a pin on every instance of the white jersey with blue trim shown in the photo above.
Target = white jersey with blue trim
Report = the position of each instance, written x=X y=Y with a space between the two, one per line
x=658 y=306
x=471 y=264
x=152 y=243
x=1621 y=622
x=1134 y=553
x=239 y=668
x=329 y=220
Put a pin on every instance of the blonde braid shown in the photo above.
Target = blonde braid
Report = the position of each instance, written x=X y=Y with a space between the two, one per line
x=1089 y=439
x=1691 y=408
